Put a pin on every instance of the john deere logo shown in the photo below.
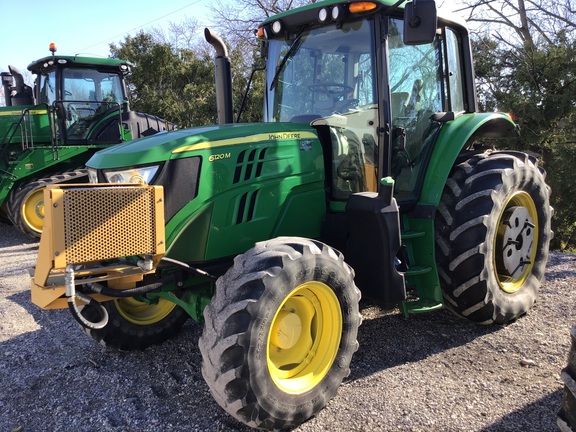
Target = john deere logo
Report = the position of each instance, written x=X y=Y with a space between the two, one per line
x=284 y=135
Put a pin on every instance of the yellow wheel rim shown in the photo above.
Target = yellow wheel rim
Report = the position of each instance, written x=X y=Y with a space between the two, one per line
x=33 y=210
x=516 y=242
x=304 y=337
x=141 y=313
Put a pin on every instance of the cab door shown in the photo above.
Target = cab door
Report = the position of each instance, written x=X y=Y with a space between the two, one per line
x=415 y=94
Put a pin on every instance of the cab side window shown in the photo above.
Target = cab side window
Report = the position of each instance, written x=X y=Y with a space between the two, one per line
x=416 y=85
x=453 y=73
x=48 y=88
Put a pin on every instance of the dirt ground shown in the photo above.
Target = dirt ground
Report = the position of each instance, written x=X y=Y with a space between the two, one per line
x=430 y=372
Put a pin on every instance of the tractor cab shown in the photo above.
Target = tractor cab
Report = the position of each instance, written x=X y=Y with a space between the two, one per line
x=76 y=106
x=373 y=106
x=87 y=95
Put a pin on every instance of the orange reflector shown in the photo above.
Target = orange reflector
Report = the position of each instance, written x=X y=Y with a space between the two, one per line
x=52 y=47
x=260 y=32
x=362 y=7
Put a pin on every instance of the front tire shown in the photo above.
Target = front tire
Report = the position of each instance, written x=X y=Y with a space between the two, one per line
x=492 y=236
x=280 y=332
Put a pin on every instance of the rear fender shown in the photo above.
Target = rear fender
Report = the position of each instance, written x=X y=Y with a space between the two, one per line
x=456 y=136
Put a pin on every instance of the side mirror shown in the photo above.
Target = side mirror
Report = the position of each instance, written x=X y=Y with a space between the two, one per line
x=420 y=22
x=264 y=49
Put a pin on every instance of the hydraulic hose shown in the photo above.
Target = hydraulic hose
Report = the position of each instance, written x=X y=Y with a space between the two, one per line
x=72 y=295
x=110 y=292
x=189 y=268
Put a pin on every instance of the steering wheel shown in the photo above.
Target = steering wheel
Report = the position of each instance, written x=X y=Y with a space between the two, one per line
x=339 y=93
x=331 y=88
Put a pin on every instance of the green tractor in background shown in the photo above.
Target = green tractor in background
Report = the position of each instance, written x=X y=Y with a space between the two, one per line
x=371 y=173
x=78 y=105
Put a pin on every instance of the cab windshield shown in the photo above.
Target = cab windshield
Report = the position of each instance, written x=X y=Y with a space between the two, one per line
x=88 y=96
x=328 y=70
x=328 y=74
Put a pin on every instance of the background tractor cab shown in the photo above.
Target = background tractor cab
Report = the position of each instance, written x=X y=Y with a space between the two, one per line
x=88 y=96
x=76 y=106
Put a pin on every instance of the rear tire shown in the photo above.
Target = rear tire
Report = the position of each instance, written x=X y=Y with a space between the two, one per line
x=492 y=236
x=280 y=332
x=567 y=414
x=25 y=205
x=134 y=325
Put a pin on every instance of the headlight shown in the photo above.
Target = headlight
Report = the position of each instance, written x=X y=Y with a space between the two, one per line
x=141 y=175
x=92 y=175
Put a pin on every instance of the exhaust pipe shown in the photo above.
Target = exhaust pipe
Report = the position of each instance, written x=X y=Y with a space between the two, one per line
x=23 y=95
x=7 y=83
x=222 y=78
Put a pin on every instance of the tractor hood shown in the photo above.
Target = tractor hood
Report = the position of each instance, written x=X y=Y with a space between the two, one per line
x=182 y=143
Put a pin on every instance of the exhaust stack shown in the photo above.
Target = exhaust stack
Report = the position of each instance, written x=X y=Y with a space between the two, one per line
x=222 y=78
x=22 y=93
x=7 y=83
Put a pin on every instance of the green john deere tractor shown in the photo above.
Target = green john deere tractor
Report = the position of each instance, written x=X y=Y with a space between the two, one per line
x=78 y=105
x=371 y=173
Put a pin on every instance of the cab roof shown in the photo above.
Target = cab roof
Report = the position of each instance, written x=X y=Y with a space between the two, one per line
x=326 y=3
x=78 y=61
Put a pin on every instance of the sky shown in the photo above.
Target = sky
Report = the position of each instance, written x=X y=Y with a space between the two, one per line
x=86 y=27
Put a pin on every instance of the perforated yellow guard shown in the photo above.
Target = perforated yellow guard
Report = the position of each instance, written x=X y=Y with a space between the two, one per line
x=86 y=224
x=108 y=223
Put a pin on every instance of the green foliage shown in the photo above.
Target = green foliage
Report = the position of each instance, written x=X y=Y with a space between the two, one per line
x=241 y=71
x=561 y=166
x=537 y=85
x=177 y=85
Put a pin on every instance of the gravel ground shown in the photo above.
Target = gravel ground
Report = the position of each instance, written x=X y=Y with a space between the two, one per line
x=430 y=372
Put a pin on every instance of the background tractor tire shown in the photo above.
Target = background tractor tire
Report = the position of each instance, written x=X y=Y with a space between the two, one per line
x=492 y=236
x=280 y=332
x=25 y=205
x=567 y=415
x=136 y=325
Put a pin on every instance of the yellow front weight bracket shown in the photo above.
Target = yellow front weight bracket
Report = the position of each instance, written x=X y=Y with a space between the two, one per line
x=87 y=224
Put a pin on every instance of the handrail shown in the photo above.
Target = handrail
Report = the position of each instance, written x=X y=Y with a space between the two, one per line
x=25 y=126
x=9 y=135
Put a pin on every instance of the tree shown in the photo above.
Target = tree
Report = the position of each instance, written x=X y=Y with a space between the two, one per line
x=525 y=53
x=174 y=75
x=239 y=20
x=175 y=84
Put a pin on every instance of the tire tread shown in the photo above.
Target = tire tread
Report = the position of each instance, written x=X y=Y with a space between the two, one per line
x=229 y=382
